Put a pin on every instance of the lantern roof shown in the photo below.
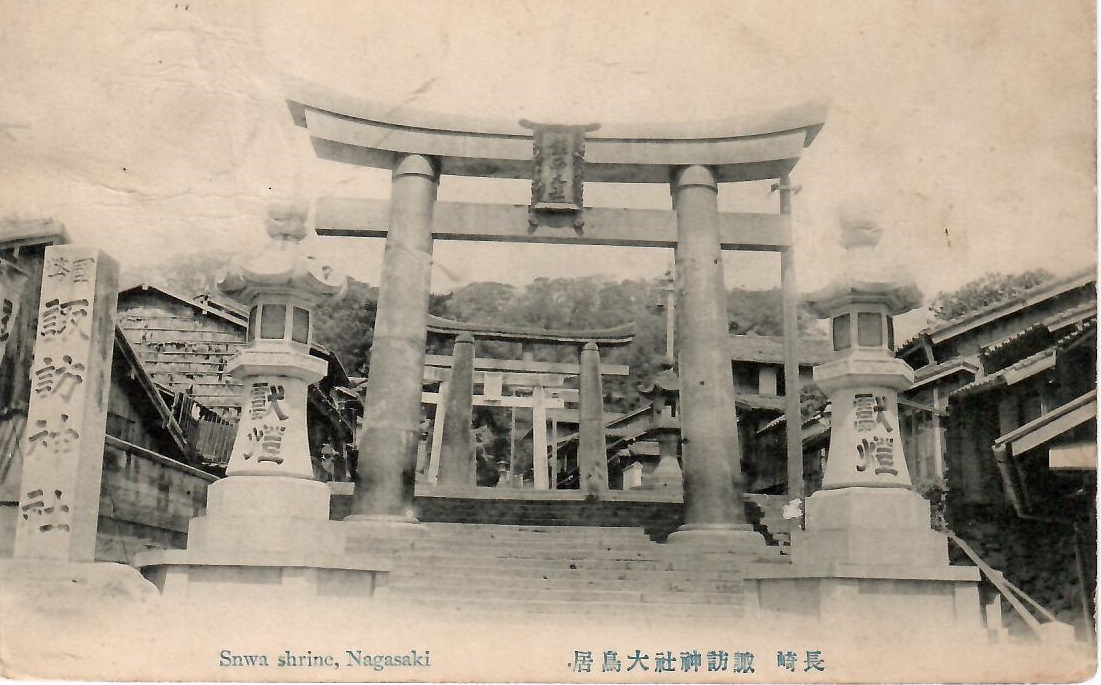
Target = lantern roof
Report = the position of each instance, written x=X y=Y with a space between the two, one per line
x=283 y=266
x=868 y=278
x=666 y=382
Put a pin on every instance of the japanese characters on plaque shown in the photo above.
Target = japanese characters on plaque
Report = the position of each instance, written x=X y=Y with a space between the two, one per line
x=875 y=435
x=69 y=381
x=558 y=177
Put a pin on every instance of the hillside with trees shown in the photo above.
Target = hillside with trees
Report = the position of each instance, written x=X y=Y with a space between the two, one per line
x=347 y=326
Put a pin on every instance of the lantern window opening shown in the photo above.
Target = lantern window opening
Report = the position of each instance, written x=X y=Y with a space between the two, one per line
x=842 y=332
x=273 y=321
x=300 y=325
x=253 y=323
x=870 y=329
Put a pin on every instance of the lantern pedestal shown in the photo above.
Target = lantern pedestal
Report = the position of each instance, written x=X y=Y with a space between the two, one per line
x=264 y=534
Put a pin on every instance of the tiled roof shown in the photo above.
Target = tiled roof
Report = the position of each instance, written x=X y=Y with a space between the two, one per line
x=1032 y=295
x=32 y=232
x=999 y=345
x=1000 y=377
x=749 y=402
x=239 y=319
x=769 y=349
x=932 y=372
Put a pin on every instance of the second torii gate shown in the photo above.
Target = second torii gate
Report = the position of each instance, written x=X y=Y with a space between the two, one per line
x=538 y=375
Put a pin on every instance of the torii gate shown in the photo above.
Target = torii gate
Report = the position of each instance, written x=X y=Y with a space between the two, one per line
x=539 y=376
x=692 y=158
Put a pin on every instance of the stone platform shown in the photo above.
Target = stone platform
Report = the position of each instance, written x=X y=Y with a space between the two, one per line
x=262 y=534
x=657 y=513
x=869 y=561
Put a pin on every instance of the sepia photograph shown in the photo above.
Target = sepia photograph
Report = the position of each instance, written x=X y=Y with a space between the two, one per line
x=563 y=342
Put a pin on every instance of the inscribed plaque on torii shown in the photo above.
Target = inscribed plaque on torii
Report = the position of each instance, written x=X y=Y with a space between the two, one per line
x=558 y=176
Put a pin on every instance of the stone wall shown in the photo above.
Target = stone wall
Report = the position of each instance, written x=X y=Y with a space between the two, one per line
x=144 y=504
x=1038 y=557
x=658 y=518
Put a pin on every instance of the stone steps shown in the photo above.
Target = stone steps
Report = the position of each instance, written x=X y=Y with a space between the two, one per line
x=518 y=551
x=492 y=607
x=520 y=545
x=641 y=580
x=526 y=531
x=487 y=569
x=530 y=588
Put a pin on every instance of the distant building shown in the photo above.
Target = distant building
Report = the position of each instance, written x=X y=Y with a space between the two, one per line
x=757 y=364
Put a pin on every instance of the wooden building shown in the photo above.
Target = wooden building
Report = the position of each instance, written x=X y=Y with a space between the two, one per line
x=758 y=365
x=1001 y=431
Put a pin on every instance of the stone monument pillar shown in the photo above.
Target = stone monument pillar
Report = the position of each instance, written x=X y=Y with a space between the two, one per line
x=713 y=508
x=457 y=466
x=592 y=454
x=70 y=383
x=868 y=556
x=386 y=475
x=52 y=585
x=267 y=523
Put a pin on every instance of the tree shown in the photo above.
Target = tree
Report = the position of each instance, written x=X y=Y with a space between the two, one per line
x=761 y=312
x=982 y=292
x=347 y=326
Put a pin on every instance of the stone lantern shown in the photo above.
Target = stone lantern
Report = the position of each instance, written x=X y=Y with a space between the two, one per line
x=281 y=287
x=266 y=528
x=863 y=378
x=868 y=555
x=664 y=395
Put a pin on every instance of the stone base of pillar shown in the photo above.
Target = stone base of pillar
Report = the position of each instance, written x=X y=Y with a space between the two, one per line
x=719 y=537
x=263 y=534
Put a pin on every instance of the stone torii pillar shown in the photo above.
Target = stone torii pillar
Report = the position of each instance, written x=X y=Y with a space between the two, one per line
x=388 y=449
x=457 y=465
x=592 y=448
x=713 y=509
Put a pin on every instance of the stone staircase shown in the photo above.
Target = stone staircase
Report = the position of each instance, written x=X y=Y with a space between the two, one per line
x=576 y=570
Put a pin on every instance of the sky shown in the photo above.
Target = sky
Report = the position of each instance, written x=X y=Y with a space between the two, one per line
x=159 y=128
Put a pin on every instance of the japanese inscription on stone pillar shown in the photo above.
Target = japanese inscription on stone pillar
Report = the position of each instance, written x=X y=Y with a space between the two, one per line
x=70 y=378
x=558 y=178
